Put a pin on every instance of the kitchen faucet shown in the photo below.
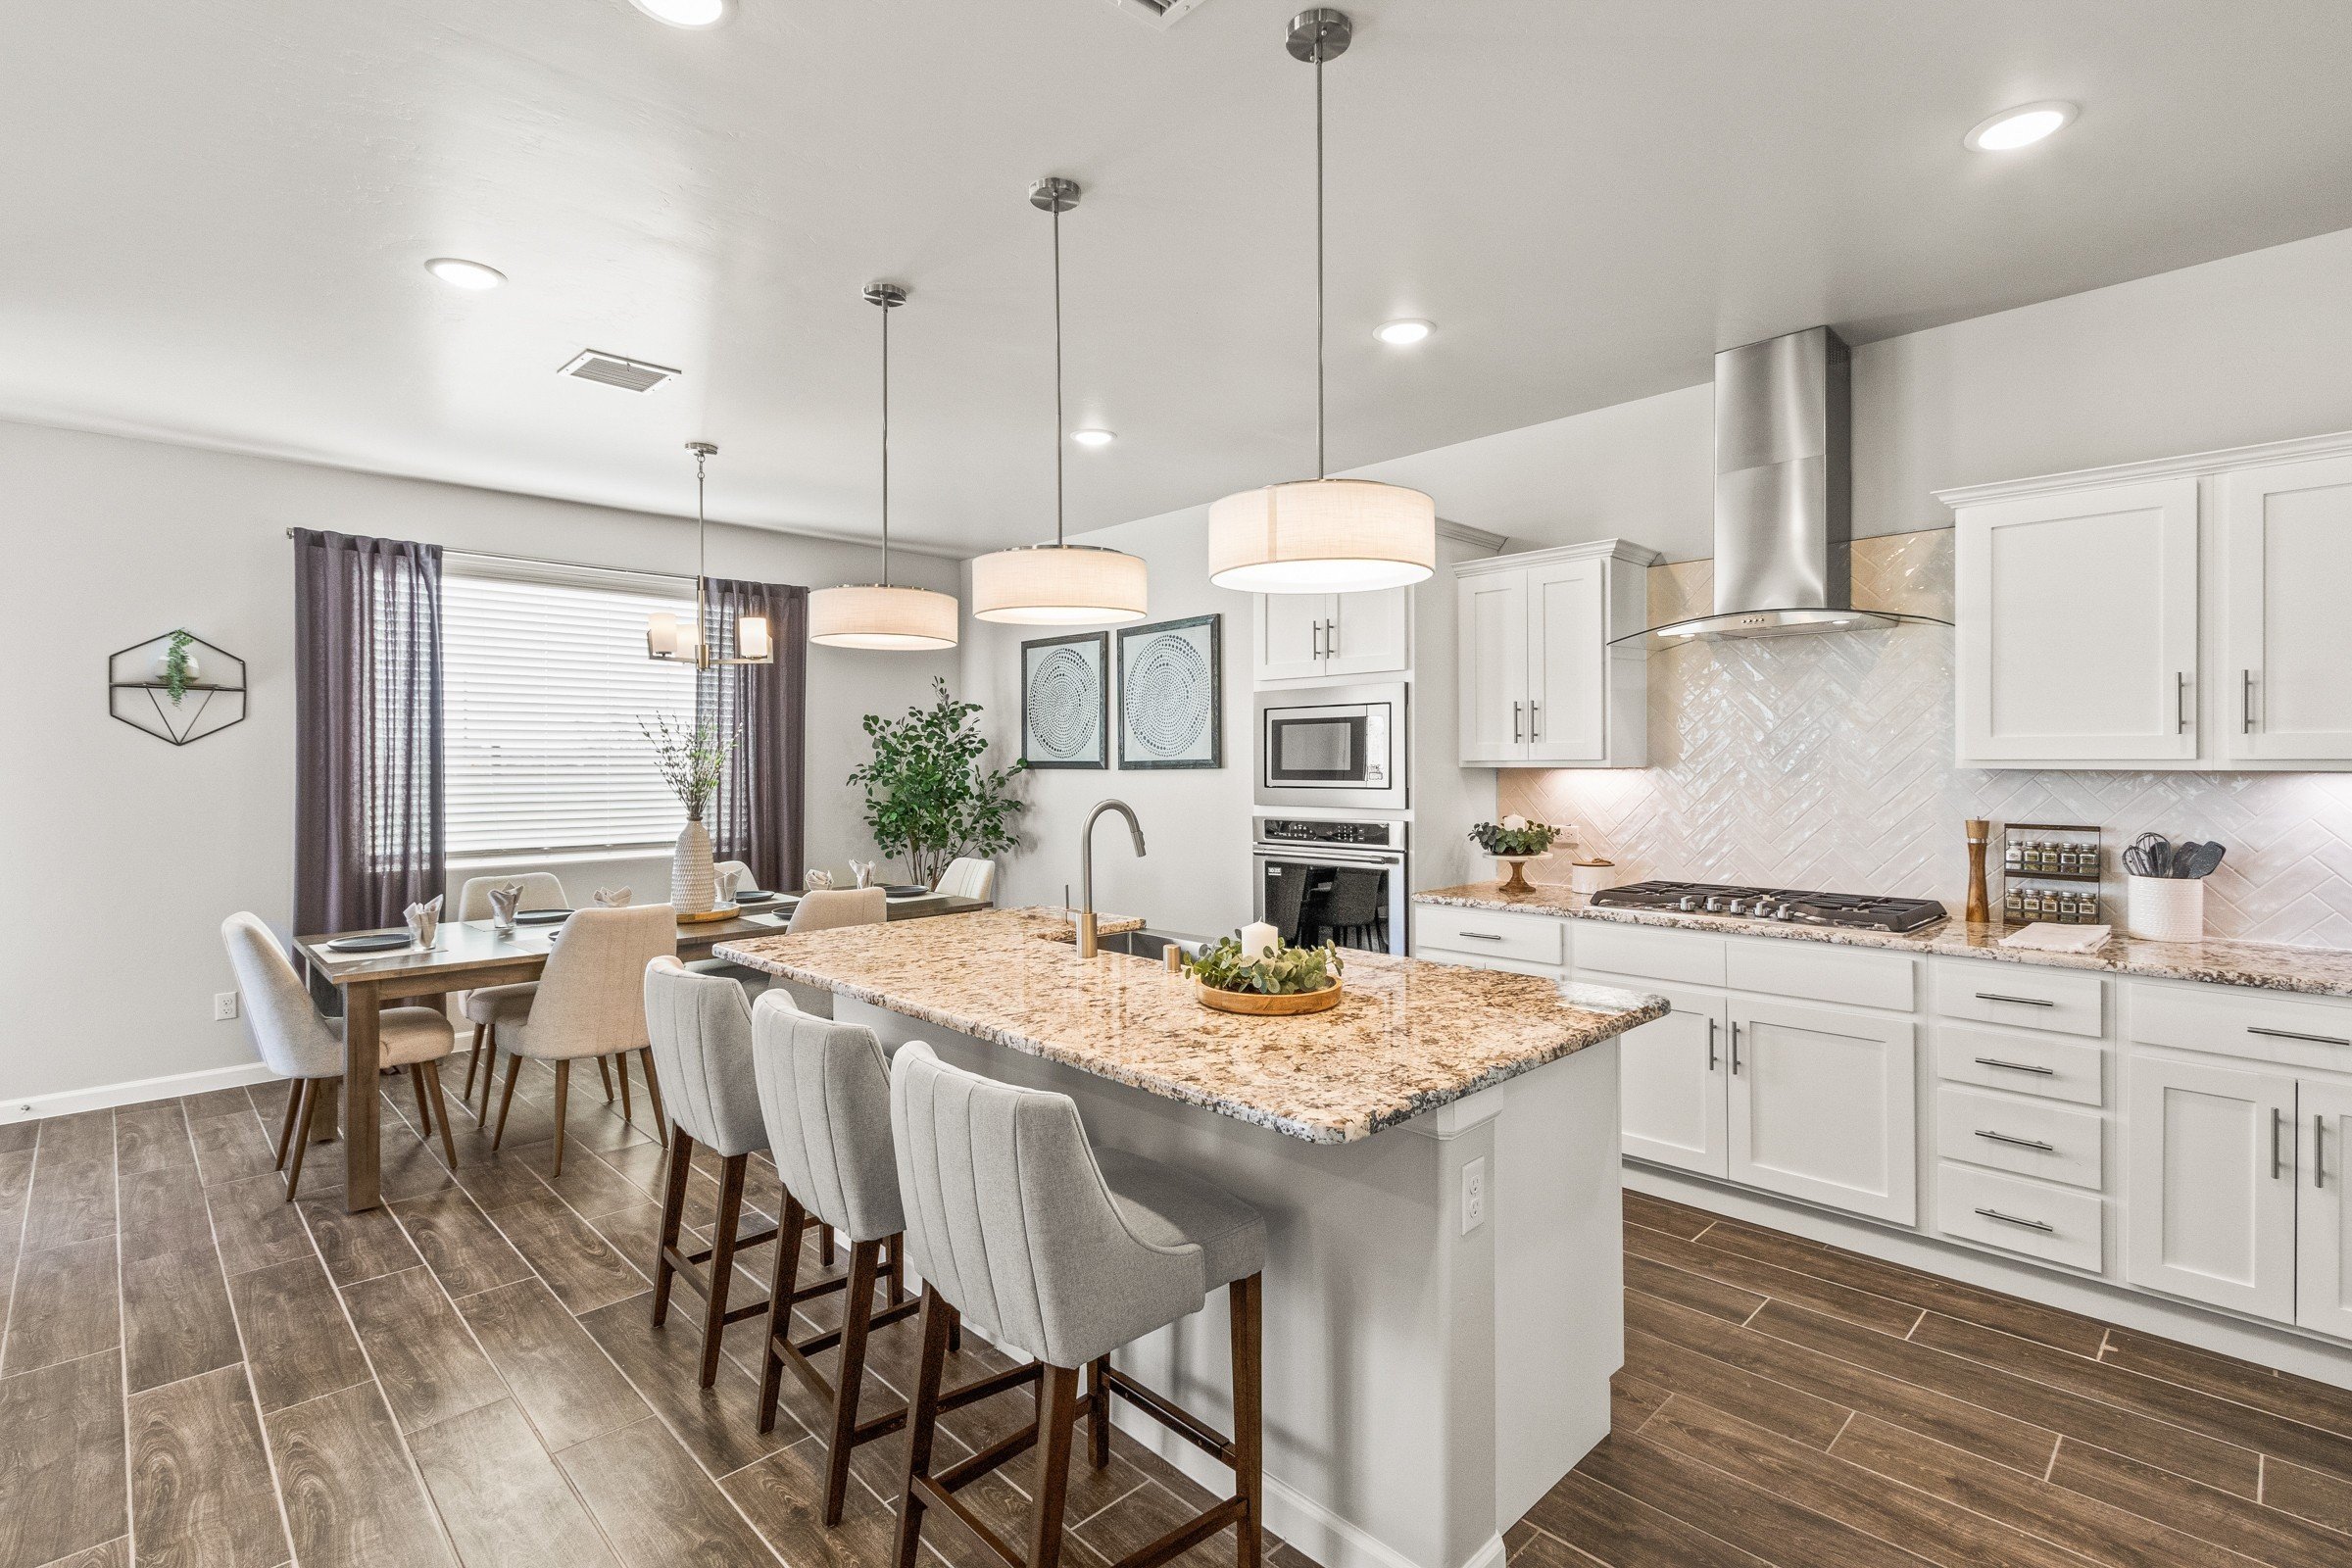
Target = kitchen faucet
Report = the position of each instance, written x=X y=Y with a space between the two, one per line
x=1086 y=868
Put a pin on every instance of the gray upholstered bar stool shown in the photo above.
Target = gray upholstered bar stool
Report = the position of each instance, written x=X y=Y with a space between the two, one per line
x=825 y=1091
x=1014 y=1219
x=700 y=1030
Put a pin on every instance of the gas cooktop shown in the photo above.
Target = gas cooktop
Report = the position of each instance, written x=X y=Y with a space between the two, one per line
x=1791 y=906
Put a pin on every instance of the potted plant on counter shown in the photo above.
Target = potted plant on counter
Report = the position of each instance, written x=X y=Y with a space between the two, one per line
x=1514 y=842
x=1277 y=981
x=927 y=795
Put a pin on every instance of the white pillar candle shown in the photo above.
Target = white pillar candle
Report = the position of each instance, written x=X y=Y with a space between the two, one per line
x=1259 y=940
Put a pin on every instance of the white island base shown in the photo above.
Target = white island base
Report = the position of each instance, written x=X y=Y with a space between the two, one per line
x=1424 y=1384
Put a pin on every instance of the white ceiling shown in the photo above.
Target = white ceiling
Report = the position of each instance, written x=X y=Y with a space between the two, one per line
x=217 y=211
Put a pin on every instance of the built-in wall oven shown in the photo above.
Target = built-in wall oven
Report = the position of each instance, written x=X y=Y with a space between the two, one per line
x=1332 y=746
x=1324 y=879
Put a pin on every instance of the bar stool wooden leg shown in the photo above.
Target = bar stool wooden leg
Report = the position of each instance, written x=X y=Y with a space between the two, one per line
x=1056 y=1410
x=506 y=1101
x=285 y=1134
x=1098 y=1411
x=785 y=1281
x=431 y=1071
x=1245 y=1299
x=653 y=1090
x=922 y=1424
x=857 y=1317
x=722 y=1260
x=674 y=1213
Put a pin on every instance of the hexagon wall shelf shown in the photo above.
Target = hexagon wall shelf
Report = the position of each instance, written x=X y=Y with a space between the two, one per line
x=137 y=694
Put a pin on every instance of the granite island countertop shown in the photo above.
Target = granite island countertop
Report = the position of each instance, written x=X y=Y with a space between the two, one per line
x=1407 y=1038
x=2268 y=966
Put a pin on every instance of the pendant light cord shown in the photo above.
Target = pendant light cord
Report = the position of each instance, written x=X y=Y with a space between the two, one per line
x=885 y=443
x=702 y=560
x=1322 y=465
x=1059 y=459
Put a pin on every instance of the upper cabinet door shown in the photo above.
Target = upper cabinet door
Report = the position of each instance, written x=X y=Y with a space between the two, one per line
x=1369 y=634
x=2287 y=568
x=1490 y=619
x=1290 y=635
x=2323 y=1230
x=2212 y=1184
x=2078 y=626
x=1567 y=663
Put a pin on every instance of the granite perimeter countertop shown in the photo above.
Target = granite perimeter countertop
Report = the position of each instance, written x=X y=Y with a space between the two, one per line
x=1407 y=1038
x=2269 y=966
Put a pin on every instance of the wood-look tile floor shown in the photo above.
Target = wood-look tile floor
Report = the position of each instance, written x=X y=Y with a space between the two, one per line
x=194 y=1372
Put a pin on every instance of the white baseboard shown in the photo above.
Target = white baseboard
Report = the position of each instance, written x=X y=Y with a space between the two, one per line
x=138 y=1091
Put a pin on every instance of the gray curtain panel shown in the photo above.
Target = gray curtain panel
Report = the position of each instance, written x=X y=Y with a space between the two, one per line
x=761 y=805
x=369 y=834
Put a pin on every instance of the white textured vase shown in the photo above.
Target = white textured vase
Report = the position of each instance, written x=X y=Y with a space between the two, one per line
x=693 y=878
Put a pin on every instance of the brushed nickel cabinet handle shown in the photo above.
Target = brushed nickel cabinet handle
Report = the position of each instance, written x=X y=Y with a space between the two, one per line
x=1515 y=736
x=1331 y=639
x=2289 y=1034
x=1481 y=935
x=2245 y=701
x=2318 y=1151
x=2017 y=1143
x=1714 y=1056
x=2181 y=703
x=1535 y=730
x=2012 y=1219
x=2017 y=1066
x=1317 y=634
x=1734 y=1045
x=2278 y=1116
x=2023 y=1002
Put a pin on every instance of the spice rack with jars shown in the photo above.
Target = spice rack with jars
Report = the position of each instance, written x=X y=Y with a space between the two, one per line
x=2050 y=871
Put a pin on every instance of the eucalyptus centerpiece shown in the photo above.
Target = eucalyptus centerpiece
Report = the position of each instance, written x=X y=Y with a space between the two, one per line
x=1276 y=981
x=692 y=760
x=1514 y=842
x=928 y=795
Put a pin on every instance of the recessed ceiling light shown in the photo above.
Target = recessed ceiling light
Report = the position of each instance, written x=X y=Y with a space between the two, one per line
x=1093 y=438
x=686 y=13
x=1401 y=333
x=458 y=273
x=2021 y=127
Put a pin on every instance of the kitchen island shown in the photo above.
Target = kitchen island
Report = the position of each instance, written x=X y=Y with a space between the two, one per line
x=1437 y=1159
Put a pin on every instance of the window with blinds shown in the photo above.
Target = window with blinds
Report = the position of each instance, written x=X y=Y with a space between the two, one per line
x=544 y=685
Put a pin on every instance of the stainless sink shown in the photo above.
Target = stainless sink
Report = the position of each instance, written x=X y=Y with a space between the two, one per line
x=1149 y=944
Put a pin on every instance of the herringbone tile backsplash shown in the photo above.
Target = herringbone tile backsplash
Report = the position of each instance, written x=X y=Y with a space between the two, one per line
x=1826 y=763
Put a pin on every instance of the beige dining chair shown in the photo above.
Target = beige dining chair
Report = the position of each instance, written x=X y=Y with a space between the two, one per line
x=590 y=1003
x=541 y=890
x=827 y=910
x=969 y=878
x=298 y=1044
x=752 y=981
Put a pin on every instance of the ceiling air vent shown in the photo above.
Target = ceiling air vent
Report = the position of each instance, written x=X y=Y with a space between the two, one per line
x=1160 y=12
x=613 y=369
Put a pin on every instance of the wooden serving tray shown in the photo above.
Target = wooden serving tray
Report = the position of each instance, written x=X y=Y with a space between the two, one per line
x=725 y=912
x=1252 y=1003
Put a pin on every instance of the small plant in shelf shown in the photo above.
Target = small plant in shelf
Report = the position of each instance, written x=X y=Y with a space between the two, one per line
x=1276 y=980
x=1514 y=841
x=179 y=669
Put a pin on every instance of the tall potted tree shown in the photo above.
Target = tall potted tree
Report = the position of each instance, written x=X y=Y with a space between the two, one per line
x=927 y=795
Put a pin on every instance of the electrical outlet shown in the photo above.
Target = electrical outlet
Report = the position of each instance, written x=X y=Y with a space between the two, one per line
x=225 y=1006
x=1474 y=1195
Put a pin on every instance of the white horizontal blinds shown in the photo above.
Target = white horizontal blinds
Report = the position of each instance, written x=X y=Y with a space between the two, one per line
x=545 y=682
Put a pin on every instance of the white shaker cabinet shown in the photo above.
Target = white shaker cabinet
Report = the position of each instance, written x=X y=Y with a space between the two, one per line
x=1823 y=1106
x=1303 y=637
x=1671 y=1075
x=2285 y=546
x=2323 y=1223
x=2077 y=626
x=1539 y=684
x=2212 y=1185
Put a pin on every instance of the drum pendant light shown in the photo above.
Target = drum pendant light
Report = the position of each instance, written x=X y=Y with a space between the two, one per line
x=880 y=615
x=1058 y=584
x=667 y=640
x=1321 y=535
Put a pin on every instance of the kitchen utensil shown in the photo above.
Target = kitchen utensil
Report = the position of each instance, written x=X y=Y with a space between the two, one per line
x=1980 y=903
x=2165 y=908
x=2157 y=852
x=2197 y=859
x=372 y=944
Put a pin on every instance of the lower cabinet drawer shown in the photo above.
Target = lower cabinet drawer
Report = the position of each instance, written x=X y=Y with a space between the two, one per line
x=2241 y=1021
x=2057 y=1224
x=1651 y=953
x=1819 y=971
x=2031 y=1138
x=2048 y=1065
x=2021 y=995
x=1485 y=934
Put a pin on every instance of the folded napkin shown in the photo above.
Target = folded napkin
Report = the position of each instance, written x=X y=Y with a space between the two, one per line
x=816 y=879
x=423 y=920
x=613 y=898
x=863 y=872
x=504 y=901
x=2043 y=937
x=727 y=881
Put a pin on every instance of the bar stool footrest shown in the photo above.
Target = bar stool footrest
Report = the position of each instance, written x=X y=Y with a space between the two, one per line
x=1171 y=1415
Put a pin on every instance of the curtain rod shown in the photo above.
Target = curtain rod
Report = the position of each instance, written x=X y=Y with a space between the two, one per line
x=545 y=560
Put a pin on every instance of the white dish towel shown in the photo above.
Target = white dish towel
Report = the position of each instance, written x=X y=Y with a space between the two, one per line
x=2044 y=937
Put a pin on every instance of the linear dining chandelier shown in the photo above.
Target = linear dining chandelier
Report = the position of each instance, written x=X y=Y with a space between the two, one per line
x=883 y=614
x=1060 y=584
x=1321 y=535
x=668 y=639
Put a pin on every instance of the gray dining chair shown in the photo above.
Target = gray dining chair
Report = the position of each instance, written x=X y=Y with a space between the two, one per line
x=1015 y=1221
x=485 y=1005
x=590 y=1003
x=297 y=1043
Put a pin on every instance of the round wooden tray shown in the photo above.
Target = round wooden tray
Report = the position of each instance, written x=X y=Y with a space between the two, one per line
x=725 y=912
x=1253 y=1004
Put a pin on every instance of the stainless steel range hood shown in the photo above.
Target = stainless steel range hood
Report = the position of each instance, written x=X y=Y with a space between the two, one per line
x=1782 y=497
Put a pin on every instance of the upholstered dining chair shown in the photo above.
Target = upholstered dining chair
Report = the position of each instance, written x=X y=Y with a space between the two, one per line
x=969 y=878
x=751 y=980
x=299 y=1044
x=484 y=1007
x=829 y=910
x=590 y=1003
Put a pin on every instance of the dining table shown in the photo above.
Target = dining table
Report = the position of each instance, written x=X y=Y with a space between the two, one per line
x=465 y=955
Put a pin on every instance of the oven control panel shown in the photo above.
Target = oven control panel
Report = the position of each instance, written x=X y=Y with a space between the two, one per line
x=1314 y=830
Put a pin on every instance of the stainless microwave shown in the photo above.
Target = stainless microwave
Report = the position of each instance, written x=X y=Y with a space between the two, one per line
x=1332 y=746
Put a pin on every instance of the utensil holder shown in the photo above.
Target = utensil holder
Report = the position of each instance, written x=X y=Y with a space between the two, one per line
x=2163 y=908
x=1591 y=877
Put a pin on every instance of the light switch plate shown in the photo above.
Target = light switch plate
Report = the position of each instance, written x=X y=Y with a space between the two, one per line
x=1474 y=1195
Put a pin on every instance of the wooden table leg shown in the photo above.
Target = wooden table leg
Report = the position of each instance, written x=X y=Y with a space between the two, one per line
x=362 y=1053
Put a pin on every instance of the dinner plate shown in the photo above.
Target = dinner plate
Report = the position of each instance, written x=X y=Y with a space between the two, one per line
x=543 y=916
x=384 y=942
x=906 y=892
x=754 y=895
